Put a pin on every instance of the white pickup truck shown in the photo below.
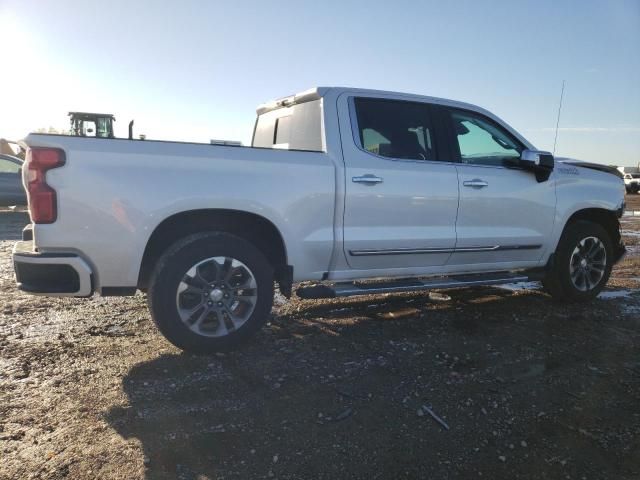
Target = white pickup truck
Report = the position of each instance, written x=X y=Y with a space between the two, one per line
x=357 y=191
x=632 y=182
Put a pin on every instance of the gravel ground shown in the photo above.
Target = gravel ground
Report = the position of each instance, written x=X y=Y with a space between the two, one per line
x=527 y=388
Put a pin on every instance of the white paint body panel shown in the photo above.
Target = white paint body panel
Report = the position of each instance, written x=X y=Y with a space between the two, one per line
x=112 y=194
x=513 y=209
x=415 y=205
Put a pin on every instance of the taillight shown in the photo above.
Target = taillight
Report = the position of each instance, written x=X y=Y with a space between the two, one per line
x=42 y=198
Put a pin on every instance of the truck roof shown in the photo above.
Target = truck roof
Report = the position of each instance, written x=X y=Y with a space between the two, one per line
x=316 y=93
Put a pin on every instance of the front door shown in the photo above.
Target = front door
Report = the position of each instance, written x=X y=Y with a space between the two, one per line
x=505 y=216
x=400 y=201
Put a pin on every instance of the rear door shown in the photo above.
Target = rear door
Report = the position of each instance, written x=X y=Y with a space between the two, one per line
x=505 y=215
x=401 y=201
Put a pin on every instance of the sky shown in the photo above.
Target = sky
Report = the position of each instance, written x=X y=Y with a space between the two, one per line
x=196 y=70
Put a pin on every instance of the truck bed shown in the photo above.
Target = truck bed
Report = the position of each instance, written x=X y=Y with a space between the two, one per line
x=113 y=193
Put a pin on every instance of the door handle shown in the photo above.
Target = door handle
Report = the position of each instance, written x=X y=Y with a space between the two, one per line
x=367 y=179
x=475 y=183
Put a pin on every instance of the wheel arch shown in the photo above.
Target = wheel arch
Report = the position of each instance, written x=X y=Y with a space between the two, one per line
x=558 y=271
x=258 y=230
x=608 y=219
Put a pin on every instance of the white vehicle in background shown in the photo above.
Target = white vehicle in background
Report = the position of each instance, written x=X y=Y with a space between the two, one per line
x=11 y=189
x=358 y=191
x=632 y=182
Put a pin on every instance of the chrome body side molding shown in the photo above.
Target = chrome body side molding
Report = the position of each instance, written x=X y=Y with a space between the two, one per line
x=413 y=251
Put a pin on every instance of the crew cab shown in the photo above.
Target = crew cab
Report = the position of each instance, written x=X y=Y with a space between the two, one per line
x=352 y=191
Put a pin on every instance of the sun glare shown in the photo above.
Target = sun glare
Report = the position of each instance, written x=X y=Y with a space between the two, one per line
x=37 y=91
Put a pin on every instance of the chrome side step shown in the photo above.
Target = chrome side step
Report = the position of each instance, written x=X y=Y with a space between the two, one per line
x=407 y=285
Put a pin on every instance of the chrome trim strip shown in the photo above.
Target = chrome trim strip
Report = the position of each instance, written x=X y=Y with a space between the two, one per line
x=412 y=251
x=417 y=251
x=399 y=251
x=520 y=247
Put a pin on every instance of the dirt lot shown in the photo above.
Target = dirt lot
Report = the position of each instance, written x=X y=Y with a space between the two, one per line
x=329 y=389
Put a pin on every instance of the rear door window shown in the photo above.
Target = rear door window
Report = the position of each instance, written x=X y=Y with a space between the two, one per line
x=395 y=129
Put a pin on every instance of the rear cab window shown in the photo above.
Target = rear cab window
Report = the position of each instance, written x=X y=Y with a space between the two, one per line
x=297 y=127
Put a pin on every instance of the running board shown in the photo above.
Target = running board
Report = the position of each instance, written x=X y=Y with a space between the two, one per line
x=406 y=285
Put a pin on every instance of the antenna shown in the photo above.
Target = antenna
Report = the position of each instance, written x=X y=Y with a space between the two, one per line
x=555 y=141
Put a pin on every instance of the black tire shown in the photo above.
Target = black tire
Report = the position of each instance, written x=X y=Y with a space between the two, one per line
x=172 y=268
x=558 y=281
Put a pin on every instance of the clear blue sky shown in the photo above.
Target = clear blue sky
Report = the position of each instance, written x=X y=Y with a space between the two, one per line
x=197 y=70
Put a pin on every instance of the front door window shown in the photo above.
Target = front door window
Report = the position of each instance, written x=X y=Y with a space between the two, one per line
x=481 y=142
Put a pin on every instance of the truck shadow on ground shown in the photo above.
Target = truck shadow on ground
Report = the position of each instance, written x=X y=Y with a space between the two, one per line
x=331 y=390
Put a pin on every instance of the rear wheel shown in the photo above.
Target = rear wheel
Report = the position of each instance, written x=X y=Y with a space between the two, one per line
x=210 y=292
x=582 y=263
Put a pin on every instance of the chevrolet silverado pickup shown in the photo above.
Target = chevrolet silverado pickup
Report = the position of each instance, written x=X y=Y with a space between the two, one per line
x=350 y=191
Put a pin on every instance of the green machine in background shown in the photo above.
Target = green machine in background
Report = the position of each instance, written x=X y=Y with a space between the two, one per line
x=85 y=124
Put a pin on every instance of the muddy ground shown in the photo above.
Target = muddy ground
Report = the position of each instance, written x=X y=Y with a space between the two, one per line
x=329 y=389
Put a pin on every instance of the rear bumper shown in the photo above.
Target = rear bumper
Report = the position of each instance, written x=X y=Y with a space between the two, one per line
x=53 y=274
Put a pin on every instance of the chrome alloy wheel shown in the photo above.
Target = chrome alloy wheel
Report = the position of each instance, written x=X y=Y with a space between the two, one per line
x=216 y=296
x=588 y=263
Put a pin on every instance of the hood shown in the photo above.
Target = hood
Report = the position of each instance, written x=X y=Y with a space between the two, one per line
x=593 y=166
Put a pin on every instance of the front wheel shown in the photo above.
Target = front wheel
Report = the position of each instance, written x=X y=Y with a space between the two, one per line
x=210 y=292
x=582 y=263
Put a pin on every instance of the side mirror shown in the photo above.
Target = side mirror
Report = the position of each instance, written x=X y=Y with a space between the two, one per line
x=539 y=162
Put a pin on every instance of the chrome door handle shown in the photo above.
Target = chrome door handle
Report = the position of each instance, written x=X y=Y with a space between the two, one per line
x=475 y=183
x=367 y=179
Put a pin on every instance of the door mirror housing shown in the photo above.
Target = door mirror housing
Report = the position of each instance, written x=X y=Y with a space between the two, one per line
x=539 y=162
x=536 y=158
